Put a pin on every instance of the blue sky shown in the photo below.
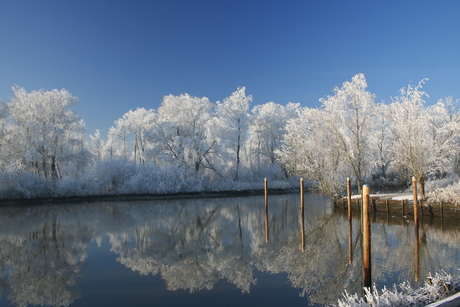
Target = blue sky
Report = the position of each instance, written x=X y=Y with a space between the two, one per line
x=120 y=55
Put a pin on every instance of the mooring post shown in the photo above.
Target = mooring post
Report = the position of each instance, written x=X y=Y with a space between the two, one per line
x=416 y=252
x=266 y=208
x=302 y=213
x=414 y=194
x=366 y=238
x=302 y=195
x=266 y=192
x=349 y=196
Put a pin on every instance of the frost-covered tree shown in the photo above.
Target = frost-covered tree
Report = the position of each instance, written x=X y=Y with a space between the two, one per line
x=232 y=115
x=5 y=139
x=445 y=120
x=140 y=123
x=410 y=129
x=96 y=145
x=452 y=116
x=349 y=117
x=49 y=135
x=333 y=142
x=267 y=126
x=425 y=140
x=117 y=141
x=381 y=142
x=128 y=138
x=182 y=135
x=307 y=151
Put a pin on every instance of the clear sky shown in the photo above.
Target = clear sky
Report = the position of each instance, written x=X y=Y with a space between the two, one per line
x=120 y=55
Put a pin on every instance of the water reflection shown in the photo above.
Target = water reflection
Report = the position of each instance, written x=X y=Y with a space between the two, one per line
x=416 y=251
x=193 y=244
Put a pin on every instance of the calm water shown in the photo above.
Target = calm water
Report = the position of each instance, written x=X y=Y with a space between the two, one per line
x=207 y=252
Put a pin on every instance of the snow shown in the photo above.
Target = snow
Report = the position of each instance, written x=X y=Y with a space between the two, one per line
x=404 y=294
x=394 y=196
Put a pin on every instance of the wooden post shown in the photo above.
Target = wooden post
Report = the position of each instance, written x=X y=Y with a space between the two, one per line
x=366 y=238
x=266 y=192
x=302 y=213
x=349 y=196
x=302 y=196
x=416 y=252
x=414 y=194
x=266 y=208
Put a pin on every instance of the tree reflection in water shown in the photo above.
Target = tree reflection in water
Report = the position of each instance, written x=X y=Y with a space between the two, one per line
x=195 y=243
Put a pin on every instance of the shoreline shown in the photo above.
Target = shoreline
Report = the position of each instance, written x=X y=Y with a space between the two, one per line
x=137 y=197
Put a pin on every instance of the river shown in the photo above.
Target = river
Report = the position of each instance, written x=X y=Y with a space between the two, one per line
x=224 y=251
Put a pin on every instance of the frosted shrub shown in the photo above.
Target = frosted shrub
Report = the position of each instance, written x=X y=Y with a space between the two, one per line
x=23 y=184
x=144 y=180
x=162 y=180
x=433 y=184
x=69 y=187
x=110 y=176
x=440 y=286
x=449 y=194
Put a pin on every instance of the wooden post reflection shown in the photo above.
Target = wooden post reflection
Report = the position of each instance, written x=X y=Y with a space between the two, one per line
x=350 y=230
x=349 y=197
x=266 y=208
x=366 y=238
x=416 y=234
x=266 y=192
x=350 y=240
x=416 y=253
x=414 y=194
x=388 y=211
x=266 y=224
x=302 y=213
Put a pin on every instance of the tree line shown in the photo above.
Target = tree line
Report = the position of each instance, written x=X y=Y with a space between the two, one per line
x=207 y=144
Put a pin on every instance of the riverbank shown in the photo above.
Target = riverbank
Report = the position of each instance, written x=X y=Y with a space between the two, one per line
x=135 y=197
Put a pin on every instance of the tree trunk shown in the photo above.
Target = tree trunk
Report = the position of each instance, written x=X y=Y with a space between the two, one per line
x=54 y=171
x=359 y=184
x=237 y=157
x=421 y=181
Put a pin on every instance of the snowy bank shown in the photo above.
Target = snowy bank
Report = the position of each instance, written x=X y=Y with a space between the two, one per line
x=436 y=288
x=394 y=196
x=116 y=178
